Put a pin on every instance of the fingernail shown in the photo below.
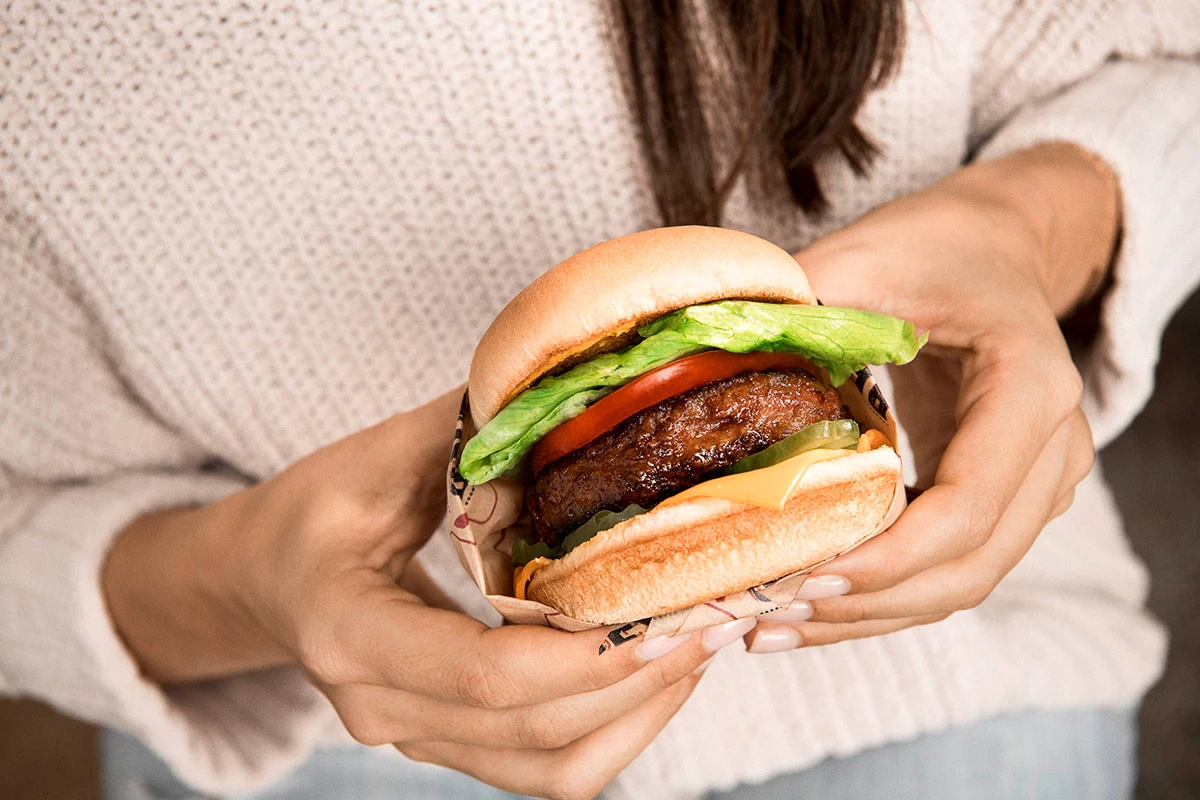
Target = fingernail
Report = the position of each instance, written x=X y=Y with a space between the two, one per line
x=718 y=636
x=822 y=587
x=774 y=639
x=798 y=611
x=700 y=670
x=659 y=646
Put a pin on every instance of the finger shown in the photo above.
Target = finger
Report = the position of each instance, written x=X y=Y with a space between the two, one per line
x=1064 y=503
x=1081 y=454
x=380 y=635
x=1009 y=411
x=812 y=634
x=370 y=466
x=924 y=395
x=411 y=576
x=391 y=448
x=376 y=715
x=966 y=582
x=579 y=770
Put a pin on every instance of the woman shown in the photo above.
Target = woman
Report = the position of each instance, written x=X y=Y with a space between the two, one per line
x=236 y=239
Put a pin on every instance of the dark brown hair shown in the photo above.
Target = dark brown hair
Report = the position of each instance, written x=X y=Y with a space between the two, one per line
x=722 y=86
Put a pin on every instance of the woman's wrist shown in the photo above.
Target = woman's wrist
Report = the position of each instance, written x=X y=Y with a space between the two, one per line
x=1068 y=201
x=202 y=593
x=166 y=581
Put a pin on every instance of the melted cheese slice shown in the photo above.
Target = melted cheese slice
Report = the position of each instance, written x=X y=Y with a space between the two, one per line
x=768 y=487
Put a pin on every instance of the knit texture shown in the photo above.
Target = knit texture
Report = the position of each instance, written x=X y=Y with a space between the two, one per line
x=232 y=234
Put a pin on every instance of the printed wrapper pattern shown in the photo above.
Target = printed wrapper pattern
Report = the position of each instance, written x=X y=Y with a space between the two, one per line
x=485 y=520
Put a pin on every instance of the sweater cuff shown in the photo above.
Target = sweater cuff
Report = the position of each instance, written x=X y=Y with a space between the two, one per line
x=58 y=643
x=1140 y=117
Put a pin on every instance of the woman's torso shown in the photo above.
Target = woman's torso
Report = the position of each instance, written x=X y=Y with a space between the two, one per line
x=290 y=223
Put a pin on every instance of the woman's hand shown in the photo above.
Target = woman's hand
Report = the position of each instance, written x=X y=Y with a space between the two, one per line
x=304 y=569
x=987 y=260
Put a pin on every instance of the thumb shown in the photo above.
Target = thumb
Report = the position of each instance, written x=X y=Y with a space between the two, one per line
x=414 y=579
x=409 y=449
x=831 y=266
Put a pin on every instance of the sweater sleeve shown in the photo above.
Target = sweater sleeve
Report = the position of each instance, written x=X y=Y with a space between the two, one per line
x=80 y=458
x=1130 y=95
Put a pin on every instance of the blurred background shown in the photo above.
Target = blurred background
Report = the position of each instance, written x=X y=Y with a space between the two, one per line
x=1155 y=471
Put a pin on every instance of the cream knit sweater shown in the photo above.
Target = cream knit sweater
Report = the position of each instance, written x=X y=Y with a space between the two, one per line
x=232 y=234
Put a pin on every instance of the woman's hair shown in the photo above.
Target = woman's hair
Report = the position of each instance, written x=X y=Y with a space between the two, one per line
x=763 y=86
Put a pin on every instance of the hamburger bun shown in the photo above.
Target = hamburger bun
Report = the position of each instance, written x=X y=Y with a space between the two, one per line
x=571 y=312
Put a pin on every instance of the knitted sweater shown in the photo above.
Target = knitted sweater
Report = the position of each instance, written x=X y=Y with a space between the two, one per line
x=231 y=235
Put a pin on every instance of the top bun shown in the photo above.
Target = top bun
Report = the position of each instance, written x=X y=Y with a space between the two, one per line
x=596 y=297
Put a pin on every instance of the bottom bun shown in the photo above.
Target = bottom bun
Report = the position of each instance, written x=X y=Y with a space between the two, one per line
x=680 y=554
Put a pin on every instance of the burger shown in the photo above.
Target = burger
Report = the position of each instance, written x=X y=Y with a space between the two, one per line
x=680 y=412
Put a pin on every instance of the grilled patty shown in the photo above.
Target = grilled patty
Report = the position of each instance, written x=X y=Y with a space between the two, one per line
x=676 y=444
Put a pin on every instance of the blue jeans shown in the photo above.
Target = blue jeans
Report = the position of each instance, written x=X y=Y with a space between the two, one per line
x=1060 y=755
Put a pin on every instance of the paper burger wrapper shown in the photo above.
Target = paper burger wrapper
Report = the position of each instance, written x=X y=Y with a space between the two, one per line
x=485 y=520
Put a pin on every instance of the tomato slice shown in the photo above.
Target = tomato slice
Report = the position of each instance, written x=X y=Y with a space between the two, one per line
x=651 y=389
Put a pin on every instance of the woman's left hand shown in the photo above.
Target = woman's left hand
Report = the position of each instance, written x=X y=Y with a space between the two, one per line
x=987 y=261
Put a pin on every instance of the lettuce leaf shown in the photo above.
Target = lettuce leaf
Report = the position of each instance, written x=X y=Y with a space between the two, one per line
x=842 y=340
x=502 y=444
x=523 y=552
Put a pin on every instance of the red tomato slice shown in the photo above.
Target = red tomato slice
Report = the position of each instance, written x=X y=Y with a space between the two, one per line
x=651 y=389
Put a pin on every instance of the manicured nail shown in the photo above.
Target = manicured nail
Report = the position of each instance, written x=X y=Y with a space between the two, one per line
x=798 y=611
x=774 y=639
x=718 y=636
x=822 y=587
x=703 y=668
x=659 y=646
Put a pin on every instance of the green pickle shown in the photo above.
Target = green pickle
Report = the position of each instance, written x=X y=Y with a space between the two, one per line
x=836 y=434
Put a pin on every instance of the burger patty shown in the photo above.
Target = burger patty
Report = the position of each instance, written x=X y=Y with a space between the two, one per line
x=676 y=444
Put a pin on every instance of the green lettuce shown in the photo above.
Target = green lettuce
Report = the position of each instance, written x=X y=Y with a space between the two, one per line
x=523 y=552
x=842 y=340
x=500 y=447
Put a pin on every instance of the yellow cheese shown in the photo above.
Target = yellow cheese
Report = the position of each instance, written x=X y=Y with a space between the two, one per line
x=522 y=576
x=769 y=487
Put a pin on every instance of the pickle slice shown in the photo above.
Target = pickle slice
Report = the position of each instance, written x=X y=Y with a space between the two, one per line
x=832 y=434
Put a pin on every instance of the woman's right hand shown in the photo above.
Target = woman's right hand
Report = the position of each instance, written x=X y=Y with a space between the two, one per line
x=307 y=569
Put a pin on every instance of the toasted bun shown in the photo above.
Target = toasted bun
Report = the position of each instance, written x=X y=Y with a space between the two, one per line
x=594 y=298
x=678 y=555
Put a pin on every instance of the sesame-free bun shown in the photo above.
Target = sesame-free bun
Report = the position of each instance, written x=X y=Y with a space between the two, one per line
x=596 y=297
x=680 y=554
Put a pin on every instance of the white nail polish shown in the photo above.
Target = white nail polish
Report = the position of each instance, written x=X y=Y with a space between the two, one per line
x=774 y=639
x=798 y=611
x=822 y=587
x=719 y=636
x=659 y=646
